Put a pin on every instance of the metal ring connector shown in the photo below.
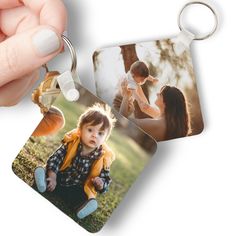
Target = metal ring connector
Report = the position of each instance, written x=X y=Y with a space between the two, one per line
x=72 y=53
x=181 y=27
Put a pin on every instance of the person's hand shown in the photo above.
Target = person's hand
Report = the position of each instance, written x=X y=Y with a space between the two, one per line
x=155 y=82
x=125 y=91
x=51 y=183
x=98 y=183
x=30 y=36
x=51 y=180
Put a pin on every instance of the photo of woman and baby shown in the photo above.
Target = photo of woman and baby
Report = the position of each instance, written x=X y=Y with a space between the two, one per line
x=152 y=86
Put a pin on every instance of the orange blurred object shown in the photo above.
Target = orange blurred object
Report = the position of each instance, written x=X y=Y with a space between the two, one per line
x=51 y=123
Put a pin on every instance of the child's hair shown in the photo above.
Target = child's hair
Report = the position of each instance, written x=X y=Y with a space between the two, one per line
x=98 y=114
x=139 y=68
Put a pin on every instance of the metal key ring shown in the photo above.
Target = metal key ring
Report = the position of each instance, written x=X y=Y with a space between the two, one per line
x=181 y=27
x=72 y=54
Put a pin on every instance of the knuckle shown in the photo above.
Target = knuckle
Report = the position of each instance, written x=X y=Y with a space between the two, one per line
x=10 y=57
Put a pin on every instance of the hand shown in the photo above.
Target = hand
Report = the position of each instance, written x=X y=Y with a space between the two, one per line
x=98 y=183
x=51 y=180
x=51 y=184
x=155 y=81
x=125 y=91
x=30 y=36
x=117 y=102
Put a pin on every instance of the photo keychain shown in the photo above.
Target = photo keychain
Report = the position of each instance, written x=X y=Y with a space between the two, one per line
x=83 y=156
x=153 y=83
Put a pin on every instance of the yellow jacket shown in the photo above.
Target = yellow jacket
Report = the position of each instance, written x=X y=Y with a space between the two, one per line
x=72 y=140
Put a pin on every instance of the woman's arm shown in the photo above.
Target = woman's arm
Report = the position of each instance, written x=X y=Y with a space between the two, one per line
x=126 y=107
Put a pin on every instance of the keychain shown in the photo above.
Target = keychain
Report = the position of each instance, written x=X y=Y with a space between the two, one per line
x=84 y=155
x=155 y=78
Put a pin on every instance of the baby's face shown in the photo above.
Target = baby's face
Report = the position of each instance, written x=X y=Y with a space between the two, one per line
x=93 y=136
x=139 y=79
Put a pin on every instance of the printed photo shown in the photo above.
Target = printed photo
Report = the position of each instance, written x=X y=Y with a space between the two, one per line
x=83 y=157
x=153 y=85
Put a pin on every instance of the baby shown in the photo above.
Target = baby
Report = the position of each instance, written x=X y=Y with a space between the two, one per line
x=134 y=78
x=138 y=75
x=80 y=167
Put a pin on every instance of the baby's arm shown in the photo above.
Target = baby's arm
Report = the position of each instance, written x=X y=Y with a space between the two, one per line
x=145 y=107
x=152 y=79
x=53 y=164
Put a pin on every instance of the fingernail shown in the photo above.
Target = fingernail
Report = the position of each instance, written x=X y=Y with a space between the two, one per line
x=45 y=42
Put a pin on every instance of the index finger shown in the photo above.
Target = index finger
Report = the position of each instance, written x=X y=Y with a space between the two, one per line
x=50 y=12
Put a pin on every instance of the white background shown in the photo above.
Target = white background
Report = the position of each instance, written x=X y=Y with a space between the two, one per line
x=189 y=187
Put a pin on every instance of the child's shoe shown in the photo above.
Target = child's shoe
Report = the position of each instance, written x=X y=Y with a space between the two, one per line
x=40 y=179
x=87 y=208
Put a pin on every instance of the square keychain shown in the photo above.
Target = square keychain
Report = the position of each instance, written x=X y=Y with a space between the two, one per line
x=83 y=156
x=153 y=83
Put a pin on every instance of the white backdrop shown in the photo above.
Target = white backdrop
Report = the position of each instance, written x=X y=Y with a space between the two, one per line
x=189 y=187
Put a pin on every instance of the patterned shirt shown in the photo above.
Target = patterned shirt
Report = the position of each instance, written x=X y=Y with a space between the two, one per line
x=78 y=171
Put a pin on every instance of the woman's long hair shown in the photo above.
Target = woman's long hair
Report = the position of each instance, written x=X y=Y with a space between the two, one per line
x=176 y=113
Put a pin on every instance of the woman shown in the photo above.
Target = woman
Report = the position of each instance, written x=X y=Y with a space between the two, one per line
x=169 y=119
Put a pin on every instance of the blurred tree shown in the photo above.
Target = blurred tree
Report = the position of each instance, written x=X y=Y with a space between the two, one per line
x=178 y=63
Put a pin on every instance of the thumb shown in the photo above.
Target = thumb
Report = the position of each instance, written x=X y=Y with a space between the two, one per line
x=27 y=51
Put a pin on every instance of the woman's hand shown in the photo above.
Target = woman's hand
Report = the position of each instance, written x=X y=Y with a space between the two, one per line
x=125 y=91
x=30 y=36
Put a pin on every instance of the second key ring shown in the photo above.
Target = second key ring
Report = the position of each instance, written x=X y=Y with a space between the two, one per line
x=216 y=21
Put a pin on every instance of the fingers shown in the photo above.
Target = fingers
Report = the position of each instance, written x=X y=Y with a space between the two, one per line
x=34 y=48
x=98 y=183
x=52 y=12
x=2 y=36
x=17 y=20
x=14 y=91
x=44 y=12
x=51 y=185
x=4 y=4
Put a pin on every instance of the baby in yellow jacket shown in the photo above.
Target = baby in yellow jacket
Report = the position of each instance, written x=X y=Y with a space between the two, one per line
x=80 y=167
